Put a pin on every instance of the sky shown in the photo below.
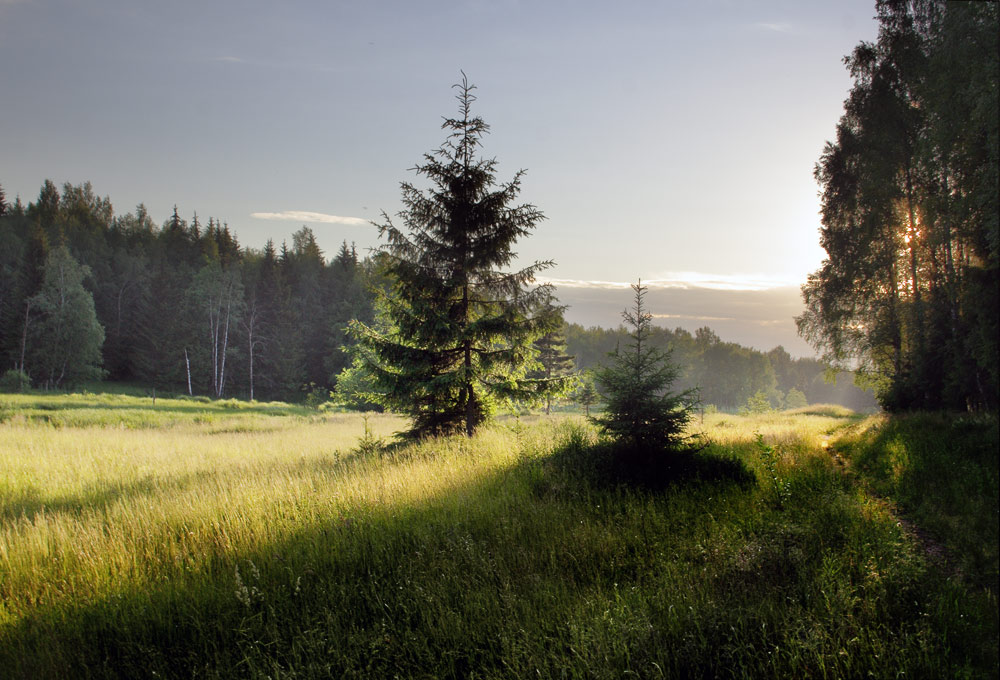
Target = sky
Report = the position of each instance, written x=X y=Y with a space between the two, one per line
x=672 y=142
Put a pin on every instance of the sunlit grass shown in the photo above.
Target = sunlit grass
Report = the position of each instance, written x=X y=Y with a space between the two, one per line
x=251 y=544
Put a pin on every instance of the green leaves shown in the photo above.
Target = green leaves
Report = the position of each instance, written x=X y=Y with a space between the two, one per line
x=66 y=340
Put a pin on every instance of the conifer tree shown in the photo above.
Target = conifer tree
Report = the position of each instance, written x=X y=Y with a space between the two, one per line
x=454 y=332
x=587 y=394
x=555 y=362
x=641 y=412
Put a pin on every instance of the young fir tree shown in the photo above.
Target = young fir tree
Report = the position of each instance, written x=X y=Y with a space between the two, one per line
x=640 y=411
x=587 y=394
x=555 y=362
x=454 y=332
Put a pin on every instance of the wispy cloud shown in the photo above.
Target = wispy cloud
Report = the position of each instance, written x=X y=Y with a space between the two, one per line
x=305 y=216
x=694 y=318
x=775 y=26
x=688 y=281
x=229 y=59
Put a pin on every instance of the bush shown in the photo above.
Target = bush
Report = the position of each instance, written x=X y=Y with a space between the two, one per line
x=757 y=404
x=14 y=381
x=316 y=395
x=795 y=399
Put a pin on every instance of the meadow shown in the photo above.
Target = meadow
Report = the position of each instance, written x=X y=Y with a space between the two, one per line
x=194 y=538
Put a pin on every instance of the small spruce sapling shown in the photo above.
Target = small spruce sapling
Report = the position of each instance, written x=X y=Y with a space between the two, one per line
x=587 y=394
x=641 y=412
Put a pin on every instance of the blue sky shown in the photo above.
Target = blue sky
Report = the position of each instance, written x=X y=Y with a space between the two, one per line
x=672 y=141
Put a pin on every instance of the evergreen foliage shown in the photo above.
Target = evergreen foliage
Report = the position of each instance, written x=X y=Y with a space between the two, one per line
x=586 y=395
x=454 y=332
x=162 y=296
x=556 y=364
x=641 y=412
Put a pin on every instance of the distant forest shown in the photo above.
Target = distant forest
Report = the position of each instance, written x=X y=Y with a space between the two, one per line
x=86 y=294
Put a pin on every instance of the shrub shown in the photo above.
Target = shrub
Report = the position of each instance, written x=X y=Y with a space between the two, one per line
x=795 y=399
x=14 y=381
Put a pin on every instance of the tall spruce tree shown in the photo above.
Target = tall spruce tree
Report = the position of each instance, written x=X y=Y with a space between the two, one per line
x=454 y=332
x=641 y=412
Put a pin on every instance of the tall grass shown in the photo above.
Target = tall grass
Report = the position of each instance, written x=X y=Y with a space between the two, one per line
x=271 y=546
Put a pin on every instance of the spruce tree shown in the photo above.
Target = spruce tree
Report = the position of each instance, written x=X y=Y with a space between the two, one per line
x=641 y=413
x=454 y=332
x=587 y=394
x=555 y=362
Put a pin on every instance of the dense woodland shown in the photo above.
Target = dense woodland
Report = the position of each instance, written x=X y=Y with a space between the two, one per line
x=163 y=299
x=179 y=306
x=908 y=293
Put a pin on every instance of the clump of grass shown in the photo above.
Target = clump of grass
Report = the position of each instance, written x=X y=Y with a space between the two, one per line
x=781 y=488
x=826 y=410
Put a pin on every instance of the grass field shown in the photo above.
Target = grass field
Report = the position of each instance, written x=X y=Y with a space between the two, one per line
x=224 y=539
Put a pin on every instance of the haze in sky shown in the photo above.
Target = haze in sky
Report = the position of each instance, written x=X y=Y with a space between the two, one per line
x=668 y=141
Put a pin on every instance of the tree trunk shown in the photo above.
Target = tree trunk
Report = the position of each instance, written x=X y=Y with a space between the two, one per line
x=251 y=367
x=470 y=408
x=225 y=344
x=24 y=332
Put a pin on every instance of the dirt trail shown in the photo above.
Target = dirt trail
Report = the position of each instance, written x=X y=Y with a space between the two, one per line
x=932 y=549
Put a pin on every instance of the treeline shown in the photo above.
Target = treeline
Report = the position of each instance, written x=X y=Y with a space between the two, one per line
x=87 y=294
x=727 y=375
x=909 y=290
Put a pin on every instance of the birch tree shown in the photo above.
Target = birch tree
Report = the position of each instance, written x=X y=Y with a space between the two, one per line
x=217 y=297
x=66 y=340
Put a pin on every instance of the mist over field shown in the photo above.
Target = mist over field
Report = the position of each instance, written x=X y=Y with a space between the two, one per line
x=762 y=319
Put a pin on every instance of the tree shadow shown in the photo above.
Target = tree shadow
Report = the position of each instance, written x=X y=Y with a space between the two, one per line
x=29 y=501
x=437 y=586
x=607 y=465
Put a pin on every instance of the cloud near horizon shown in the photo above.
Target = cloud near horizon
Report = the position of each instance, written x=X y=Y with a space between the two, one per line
x=687 y=281
x=751 y=315
x=694 y=318
x=314 y=217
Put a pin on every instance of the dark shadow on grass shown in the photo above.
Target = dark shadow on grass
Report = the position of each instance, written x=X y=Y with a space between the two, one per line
x=431 y=588
x=610 y=465
x=30 y=502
